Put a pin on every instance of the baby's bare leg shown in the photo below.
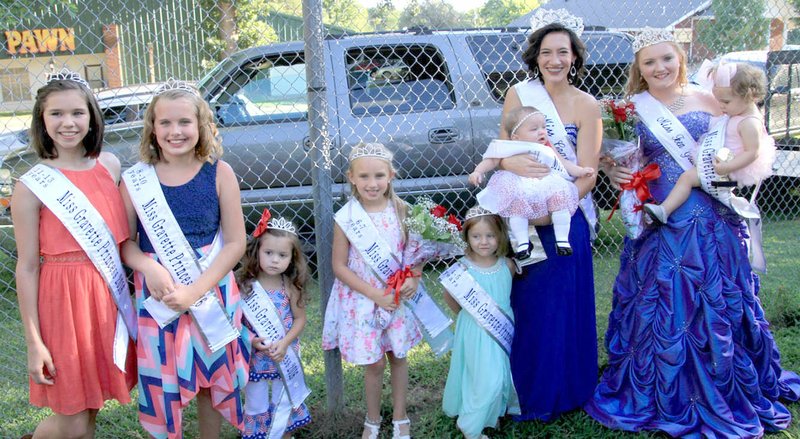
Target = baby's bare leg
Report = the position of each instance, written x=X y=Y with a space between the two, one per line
x=680 y=193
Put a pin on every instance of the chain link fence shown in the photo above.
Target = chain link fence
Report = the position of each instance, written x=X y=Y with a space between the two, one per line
x=432 y=92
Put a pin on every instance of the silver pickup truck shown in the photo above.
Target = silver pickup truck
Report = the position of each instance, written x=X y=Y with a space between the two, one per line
x=434 y=98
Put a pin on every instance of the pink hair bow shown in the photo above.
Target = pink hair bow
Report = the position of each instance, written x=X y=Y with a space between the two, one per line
x=721 y=77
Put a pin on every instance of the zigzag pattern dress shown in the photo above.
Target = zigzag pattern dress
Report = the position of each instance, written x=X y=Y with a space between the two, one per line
x=175 y=362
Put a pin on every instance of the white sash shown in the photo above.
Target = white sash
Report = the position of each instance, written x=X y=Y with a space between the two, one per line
x=669 y=131
x=479 y=304
x=500 y=149
x=532 y=93
x=87 y=226
x=263 y=316
x=364 y=237
x=711 y=143
x=178 y=256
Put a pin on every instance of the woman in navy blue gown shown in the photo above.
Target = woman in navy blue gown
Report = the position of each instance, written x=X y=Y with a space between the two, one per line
x=554 y=351
x=690 y=352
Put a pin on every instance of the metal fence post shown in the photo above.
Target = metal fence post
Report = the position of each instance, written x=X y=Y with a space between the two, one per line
x=322 y=181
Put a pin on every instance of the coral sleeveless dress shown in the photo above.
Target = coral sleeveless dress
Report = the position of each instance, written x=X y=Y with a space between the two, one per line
x=77 y=315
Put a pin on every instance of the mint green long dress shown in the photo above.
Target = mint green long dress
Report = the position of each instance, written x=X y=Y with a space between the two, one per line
x=479 y=388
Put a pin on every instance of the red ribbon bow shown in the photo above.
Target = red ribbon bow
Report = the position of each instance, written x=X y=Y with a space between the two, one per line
x=396 y=280
x=262 y=223
x=638 y=183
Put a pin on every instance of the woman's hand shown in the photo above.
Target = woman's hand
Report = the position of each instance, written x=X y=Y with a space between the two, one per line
x=181 y=299
x=40 y=364
x=619 y=175
x=525 y=165
x=158 y=280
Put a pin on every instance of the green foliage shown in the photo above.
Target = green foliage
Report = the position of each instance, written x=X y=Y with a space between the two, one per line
x=345 y=13
x=247 y=27
x=12 y=10
x=432 y=14
x=737 y=25
x=498 y=13
x=384 y=16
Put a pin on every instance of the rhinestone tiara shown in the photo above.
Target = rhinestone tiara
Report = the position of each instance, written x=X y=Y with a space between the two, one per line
x=650 y=36
x=542 y=17
x=67 y=75
x=376 y=150
x=282 y=224
x=476 y=211
x=175 y=84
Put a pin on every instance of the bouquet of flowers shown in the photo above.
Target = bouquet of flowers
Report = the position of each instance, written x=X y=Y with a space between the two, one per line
x=621 y=147
x=432 y=234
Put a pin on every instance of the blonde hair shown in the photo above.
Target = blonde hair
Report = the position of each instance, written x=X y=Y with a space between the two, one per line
x=209 y=142
x=637 y=84
x=400 y=206
x=296 y=272
x=749 y=82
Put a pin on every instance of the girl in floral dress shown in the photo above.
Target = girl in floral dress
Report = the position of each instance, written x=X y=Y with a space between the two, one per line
x=367 y=325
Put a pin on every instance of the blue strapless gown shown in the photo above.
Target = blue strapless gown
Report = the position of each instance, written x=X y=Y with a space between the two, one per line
x=554 y=352
x=690 y=352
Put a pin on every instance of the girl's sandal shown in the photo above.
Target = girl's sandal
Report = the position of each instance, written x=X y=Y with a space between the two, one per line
x=374 y=427
x=396 y=434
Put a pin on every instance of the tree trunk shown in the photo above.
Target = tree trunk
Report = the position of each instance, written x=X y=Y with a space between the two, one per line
x=227 y=27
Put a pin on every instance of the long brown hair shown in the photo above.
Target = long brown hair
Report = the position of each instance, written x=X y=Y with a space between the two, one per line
x=531 y=55
x=498 y=227
x=41 y=142
x=296 y=272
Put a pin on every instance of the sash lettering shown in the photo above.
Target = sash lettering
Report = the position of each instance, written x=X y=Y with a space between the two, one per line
x=477 y=302
x=178 y=256
x=364 y=237
x=669 y=131
x=712 y=142
x=263 y=316
x=87 y=226
x=533 y=94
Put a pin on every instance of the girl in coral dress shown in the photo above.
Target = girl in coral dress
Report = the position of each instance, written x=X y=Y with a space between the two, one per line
x=73 y=295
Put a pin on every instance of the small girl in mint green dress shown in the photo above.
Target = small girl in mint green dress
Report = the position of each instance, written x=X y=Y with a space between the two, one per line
x=479 y=388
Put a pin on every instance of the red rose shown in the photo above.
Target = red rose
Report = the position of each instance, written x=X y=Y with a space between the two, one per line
x=620 y=112
x=438 y=211
x=454 y=221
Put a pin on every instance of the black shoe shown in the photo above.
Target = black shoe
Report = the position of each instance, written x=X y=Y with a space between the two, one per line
x=563 y=248
x=524 y=254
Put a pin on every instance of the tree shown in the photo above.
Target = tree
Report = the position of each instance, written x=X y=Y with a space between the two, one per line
x=344 y=13
x=384 y=16
x=433 y=14
x=497 y=13
x=234 y=25
x=13 y=12
x=737 y=25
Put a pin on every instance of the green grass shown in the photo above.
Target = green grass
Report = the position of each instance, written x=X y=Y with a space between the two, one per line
x=780 y=295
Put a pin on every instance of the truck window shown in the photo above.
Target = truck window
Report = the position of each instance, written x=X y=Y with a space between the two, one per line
x=271 y=90
x=387 y=80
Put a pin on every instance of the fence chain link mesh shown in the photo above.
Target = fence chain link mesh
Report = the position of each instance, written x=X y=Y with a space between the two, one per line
x=431 y=94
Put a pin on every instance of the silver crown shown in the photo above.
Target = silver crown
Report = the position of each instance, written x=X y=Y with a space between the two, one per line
x=650 y=36
x=282 y=224
x=376 y=150
x=67 y=75
x=542 y=17
x=175 y=84
x=476 y=211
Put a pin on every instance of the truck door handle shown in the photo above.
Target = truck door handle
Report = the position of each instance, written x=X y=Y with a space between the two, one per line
x=443 y=135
